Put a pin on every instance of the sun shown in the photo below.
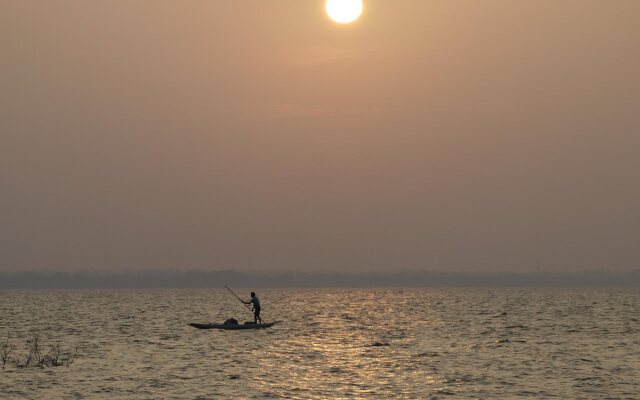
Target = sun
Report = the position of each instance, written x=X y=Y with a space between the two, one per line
x=344 y=11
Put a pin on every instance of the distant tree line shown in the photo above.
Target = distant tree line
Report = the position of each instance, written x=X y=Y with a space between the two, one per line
x=218 y=278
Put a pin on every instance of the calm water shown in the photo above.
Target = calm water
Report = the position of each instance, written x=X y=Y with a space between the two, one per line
x=427 y=343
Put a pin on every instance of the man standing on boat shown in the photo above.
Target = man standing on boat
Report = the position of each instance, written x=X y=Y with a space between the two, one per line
x=256 y=307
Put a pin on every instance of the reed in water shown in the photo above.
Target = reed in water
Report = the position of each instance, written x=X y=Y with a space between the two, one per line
x=37 y=355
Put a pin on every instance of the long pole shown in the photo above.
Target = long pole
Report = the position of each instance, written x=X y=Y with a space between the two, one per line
x=237 y=297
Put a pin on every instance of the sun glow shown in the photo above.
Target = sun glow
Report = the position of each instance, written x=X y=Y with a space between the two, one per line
x=344 y=11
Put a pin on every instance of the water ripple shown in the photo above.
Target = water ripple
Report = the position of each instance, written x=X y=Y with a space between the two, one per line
x=431 y=343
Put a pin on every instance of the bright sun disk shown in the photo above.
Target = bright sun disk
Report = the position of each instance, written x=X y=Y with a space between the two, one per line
x=344 y=11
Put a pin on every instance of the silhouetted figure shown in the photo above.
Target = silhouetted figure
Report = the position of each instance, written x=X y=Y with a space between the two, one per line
x=256 y=307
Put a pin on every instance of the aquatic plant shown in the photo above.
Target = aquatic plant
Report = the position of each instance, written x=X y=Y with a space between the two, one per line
x=5 y=352
x=36 y=357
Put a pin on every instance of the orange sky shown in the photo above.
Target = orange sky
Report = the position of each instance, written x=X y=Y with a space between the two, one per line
x=465 y=135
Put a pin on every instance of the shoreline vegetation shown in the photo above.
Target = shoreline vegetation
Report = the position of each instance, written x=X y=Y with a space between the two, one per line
x=405 y=278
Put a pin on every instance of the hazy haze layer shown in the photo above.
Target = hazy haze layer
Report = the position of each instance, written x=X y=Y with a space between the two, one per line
x=471 y=135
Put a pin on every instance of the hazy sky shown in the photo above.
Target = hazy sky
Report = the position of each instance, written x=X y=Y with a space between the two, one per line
x=442 y=134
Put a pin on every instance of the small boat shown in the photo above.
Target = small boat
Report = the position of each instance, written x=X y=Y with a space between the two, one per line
x=234 y=326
